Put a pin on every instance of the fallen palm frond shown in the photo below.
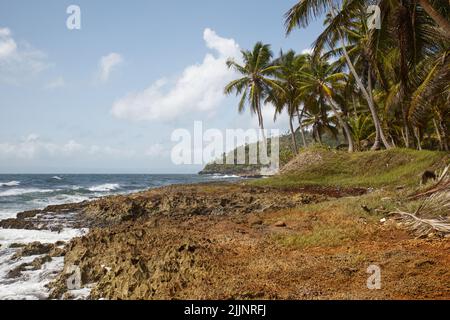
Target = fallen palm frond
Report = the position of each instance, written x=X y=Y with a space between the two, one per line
x=422 y=227
x=436 y=204
x=444 y=175
x=442 y=184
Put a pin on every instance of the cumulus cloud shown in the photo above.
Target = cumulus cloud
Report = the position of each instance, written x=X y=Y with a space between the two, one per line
x=56 y=83
x=7 y=44
x=199 y=88
x=107 y=64
x=32 y=147
x=18 y=61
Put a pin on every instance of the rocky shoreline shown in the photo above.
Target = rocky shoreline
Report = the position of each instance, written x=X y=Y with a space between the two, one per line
x=204 y=241
x=136 y=214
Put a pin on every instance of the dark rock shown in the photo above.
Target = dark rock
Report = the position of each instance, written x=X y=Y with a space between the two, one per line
x=13 y=223
x=28 y=214
x=427 y=176
x=34 y=248
x=17 y=245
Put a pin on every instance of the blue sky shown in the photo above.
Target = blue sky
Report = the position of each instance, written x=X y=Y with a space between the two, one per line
x=106 y=98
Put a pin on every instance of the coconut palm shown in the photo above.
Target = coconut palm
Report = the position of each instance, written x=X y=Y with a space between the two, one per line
x=290 y=98
x=317 y=118
x=301 y=13
x=320 y=79
x=257 y=81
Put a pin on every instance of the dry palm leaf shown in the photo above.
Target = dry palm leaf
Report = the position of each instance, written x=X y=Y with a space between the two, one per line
x=422 y=227
x=436 y=204
x=442 y=184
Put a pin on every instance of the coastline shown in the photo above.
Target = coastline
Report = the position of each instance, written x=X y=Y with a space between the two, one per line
x=225 y=241
x=307 y=233
x=24 y=276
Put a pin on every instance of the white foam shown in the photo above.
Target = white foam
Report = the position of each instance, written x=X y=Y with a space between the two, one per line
x=8 y=236
x=105 y=187
x=60 y=199
x=57 y=178
x=225 y=176
x=18 y=192
x=7 y=214
x=31 y=284
x=9 y=184
x=82 y=293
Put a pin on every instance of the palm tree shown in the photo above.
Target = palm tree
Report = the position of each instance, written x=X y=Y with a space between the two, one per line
x=290 y=97
x=431 y=99
x=257 y=80
x=302 y=12
x=320 y=79
x=316 y=116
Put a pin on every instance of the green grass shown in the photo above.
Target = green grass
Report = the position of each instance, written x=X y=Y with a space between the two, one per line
x=387 y=168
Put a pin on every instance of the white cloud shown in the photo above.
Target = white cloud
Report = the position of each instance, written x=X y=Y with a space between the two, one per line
x=107 y=64
x=7 y=44
x=199 y=88
x=18 y=61
x=156 y=150
x=33 y=147
x=56 y=83
x=111 y=151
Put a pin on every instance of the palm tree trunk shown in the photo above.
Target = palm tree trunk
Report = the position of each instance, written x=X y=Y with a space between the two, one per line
x=294 y=140
x=319 y=135
x=438 y=133
x=436 y=16
x=417 y=135
x=302 y=133
x=344 y=125
x=376 y=119
x=260 y=117
x=261 y=126
x=376 y=144
x=314 y=134
x=443 y=128
x=405 y=125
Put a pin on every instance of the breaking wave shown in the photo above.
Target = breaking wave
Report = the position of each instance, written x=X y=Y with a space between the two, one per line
x=9 y=184
x=104 y=187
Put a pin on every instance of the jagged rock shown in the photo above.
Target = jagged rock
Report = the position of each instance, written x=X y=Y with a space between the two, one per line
x=17 y=245
x=192 y=201
x=36 y=264
x=12 y=223
x=34 y=248
x=28 y=214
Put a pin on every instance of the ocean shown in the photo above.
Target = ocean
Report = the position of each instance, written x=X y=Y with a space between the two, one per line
x=26 y=192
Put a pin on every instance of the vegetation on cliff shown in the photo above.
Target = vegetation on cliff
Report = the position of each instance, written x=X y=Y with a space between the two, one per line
x=372 y=169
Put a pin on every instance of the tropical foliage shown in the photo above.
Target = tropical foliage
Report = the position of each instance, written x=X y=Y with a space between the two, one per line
x=376 y=87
